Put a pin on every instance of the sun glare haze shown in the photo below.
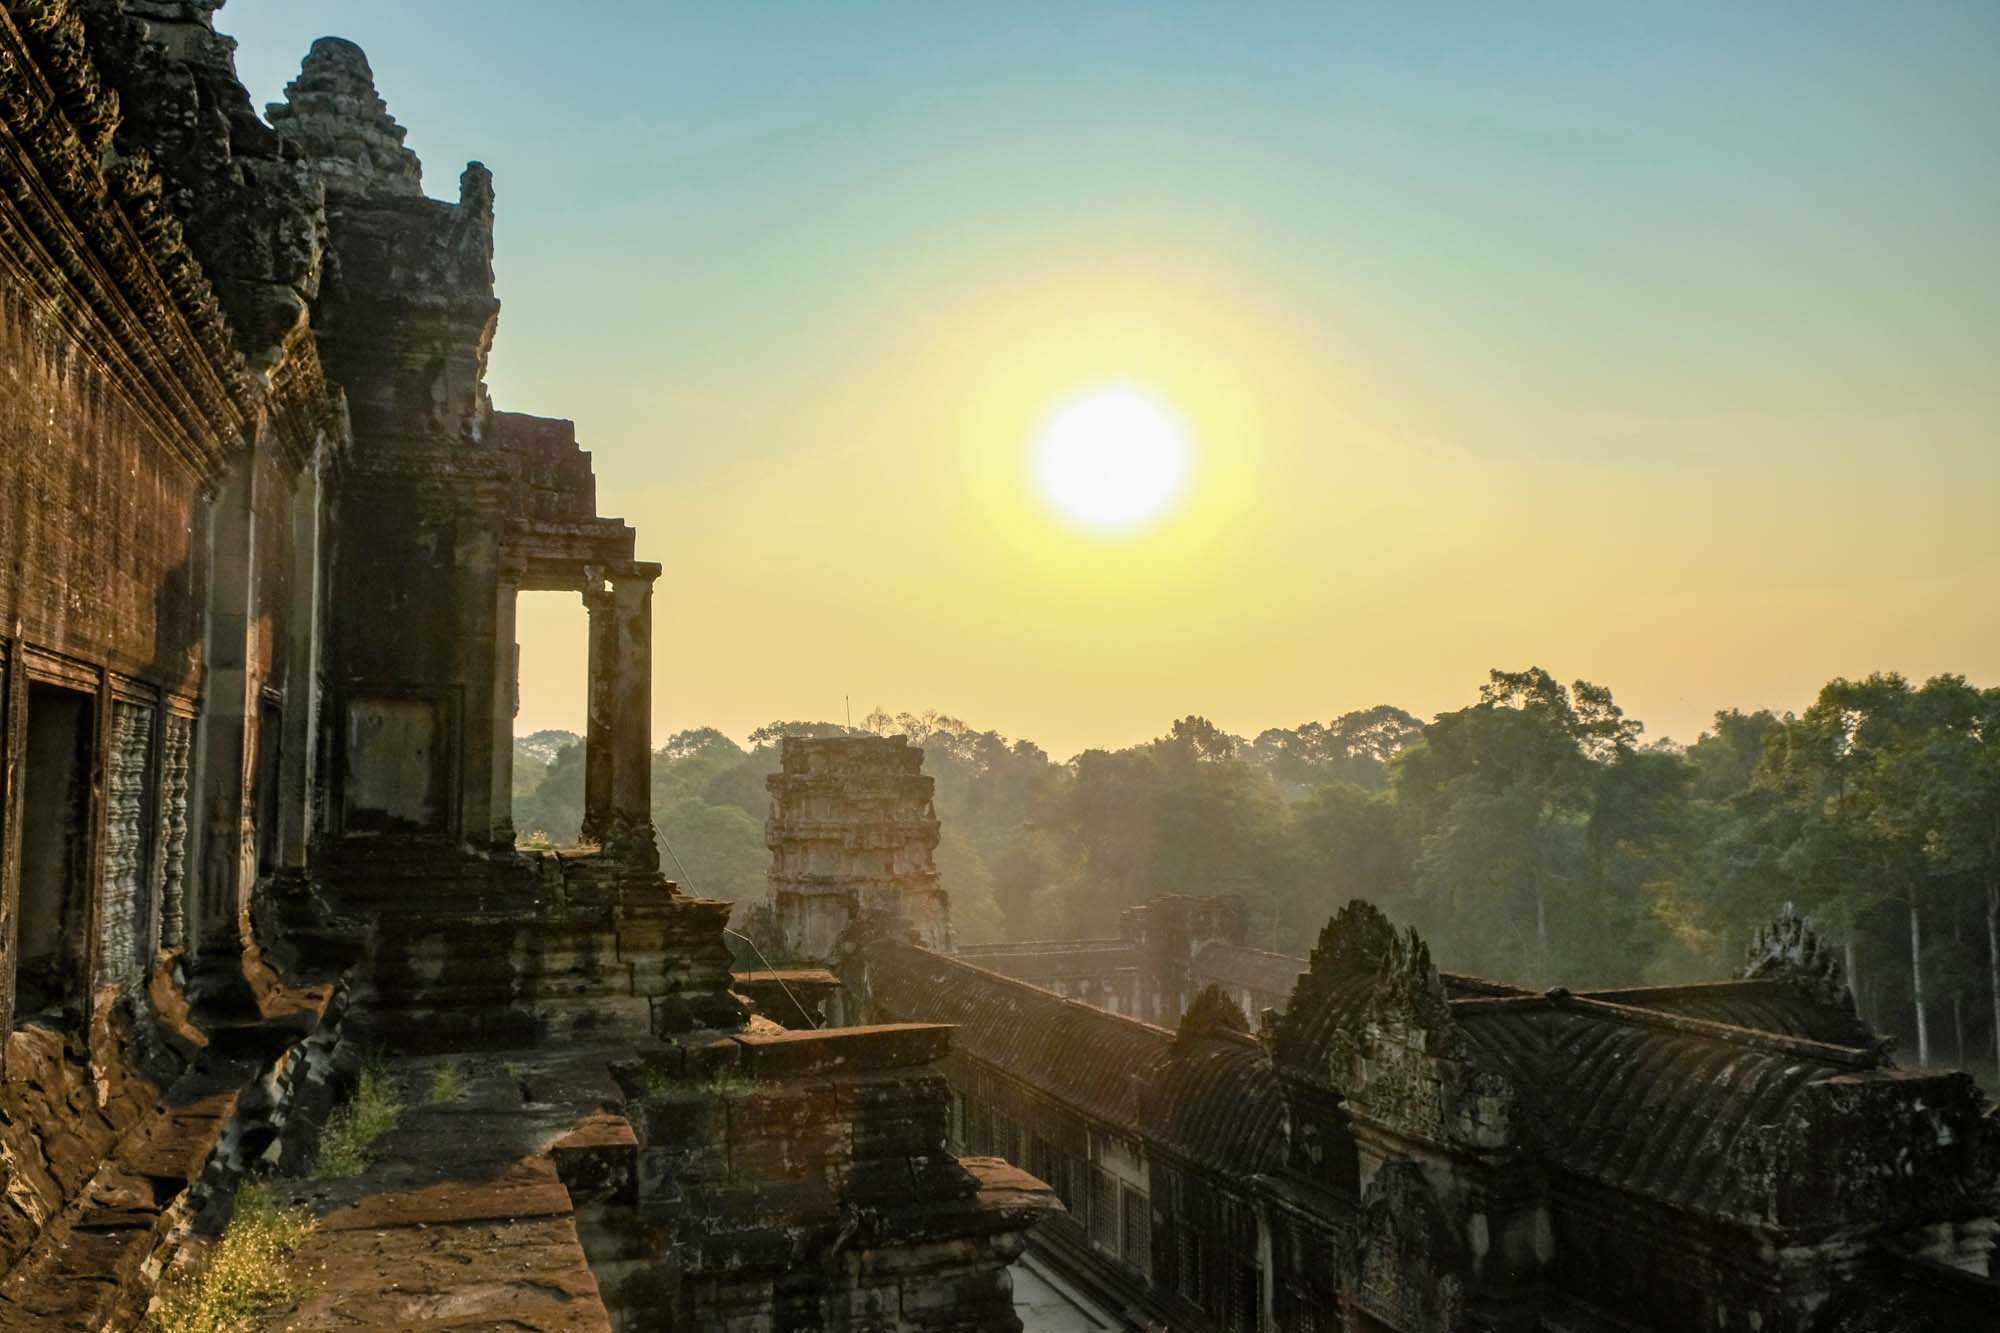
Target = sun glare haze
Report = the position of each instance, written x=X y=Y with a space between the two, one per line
x=1580 y=340
x=1112 y=457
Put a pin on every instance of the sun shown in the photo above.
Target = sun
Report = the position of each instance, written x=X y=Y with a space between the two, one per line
x=1112 y=456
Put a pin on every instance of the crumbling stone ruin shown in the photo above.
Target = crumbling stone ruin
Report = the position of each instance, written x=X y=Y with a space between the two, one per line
x=852 y=835
x=261 y=537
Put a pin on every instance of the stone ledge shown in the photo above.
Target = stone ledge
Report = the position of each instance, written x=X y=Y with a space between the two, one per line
x=843 y=1050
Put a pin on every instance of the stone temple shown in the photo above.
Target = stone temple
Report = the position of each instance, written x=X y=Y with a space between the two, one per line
x=261 y=539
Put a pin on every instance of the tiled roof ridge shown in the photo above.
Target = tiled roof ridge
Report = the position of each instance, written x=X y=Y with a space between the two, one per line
x=1044 y=946
x=1468 y=982
x=1261 y=953
x=1040 y=994
x=1559 y=999
x=1729 y=986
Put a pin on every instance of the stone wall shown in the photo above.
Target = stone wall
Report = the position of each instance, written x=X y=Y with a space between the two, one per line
x=801 y=1180
x=162 y=413
x=1160 y=1144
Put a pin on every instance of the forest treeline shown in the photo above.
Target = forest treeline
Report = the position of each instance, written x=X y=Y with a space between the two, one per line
x=1531 y=835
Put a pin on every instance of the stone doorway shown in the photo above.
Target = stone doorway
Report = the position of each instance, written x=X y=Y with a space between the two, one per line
x=55 y=777
x=551 y=655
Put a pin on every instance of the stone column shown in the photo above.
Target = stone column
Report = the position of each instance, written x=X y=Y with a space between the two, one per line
x=226 y=733
x=506 y=703
x=601 y=720
x=297 y=754
x=631 y=830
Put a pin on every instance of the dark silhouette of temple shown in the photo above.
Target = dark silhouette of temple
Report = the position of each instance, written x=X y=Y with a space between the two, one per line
x=261 y=539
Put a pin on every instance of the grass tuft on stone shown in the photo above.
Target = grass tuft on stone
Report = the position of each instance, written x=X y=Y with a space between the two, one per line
x=246 y=1274
x=731 y=1081
x=446 y=1084
x=350 y=1130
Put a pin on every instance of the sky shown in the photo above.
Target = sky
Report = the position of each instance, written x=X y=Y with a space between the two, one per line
x=1654 y=345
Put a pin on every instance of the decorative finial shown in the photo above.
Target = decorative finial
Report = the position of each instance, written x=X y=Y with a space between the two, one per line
x=1212 y=1014
x=1789 y=950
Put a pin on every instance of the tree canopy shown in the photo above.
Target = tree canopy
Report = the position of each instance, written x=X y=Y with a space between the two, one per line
x=1530 y=833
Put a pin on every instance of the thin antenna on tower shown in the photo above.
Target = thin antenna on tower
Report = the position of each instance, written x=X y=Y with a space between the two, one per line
x=848 y=699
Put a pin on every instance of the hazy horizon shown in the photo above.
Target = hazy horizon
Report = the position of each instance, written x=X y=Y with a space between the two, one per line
x=1653 y=347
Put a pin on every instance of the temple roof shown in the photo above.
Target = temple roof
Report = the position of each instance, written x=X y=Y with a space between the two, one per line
x=1207 y=1092
x=1217 y=1098
x=1646 y=1107
x=1032 y=964
x=1766 y=1100
x=1768 y=1006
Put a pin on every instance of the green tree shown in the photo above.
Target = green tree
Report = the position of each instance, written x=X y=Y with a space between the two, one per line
x=975 y=917
x=1883 y=777
x=717 y=850
x=556 y=804
x=1498 y=795
x=1354 y=748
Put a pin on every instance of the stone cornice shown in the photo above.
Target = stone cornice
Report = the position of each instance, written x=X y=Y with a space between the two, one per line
x=115 y=265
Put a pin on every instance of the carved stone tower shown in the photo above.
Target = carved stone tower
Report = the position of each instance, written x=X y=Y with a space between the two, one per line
x=852 y=834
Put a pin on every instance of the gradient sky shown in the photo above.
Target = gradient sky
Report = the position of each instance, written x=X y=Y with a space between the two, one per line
x=1653 y=344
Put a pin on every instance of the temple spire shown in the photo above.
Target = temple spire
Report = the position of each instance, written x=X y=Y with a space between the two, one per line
x=332 y=111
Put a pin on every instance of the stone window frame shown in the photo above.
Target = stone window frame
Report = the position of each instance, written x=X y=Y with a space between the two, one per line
x=1189 y=1263
x=1104 y=1223
x=267 y=765
x=450 y=699
x=1006 y=1137
x=1135 y=1232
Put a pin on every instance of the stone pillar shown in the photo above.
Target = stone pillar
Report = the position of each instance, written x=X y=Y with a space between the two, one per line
x=506 y=703
x=225 y=744
x=601 y=720
x=298 y=754
x=631 y=830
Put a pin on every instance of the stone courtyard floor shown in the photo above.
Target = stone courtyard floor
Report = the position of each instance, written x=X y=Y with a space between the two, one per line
x=460 y=1221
